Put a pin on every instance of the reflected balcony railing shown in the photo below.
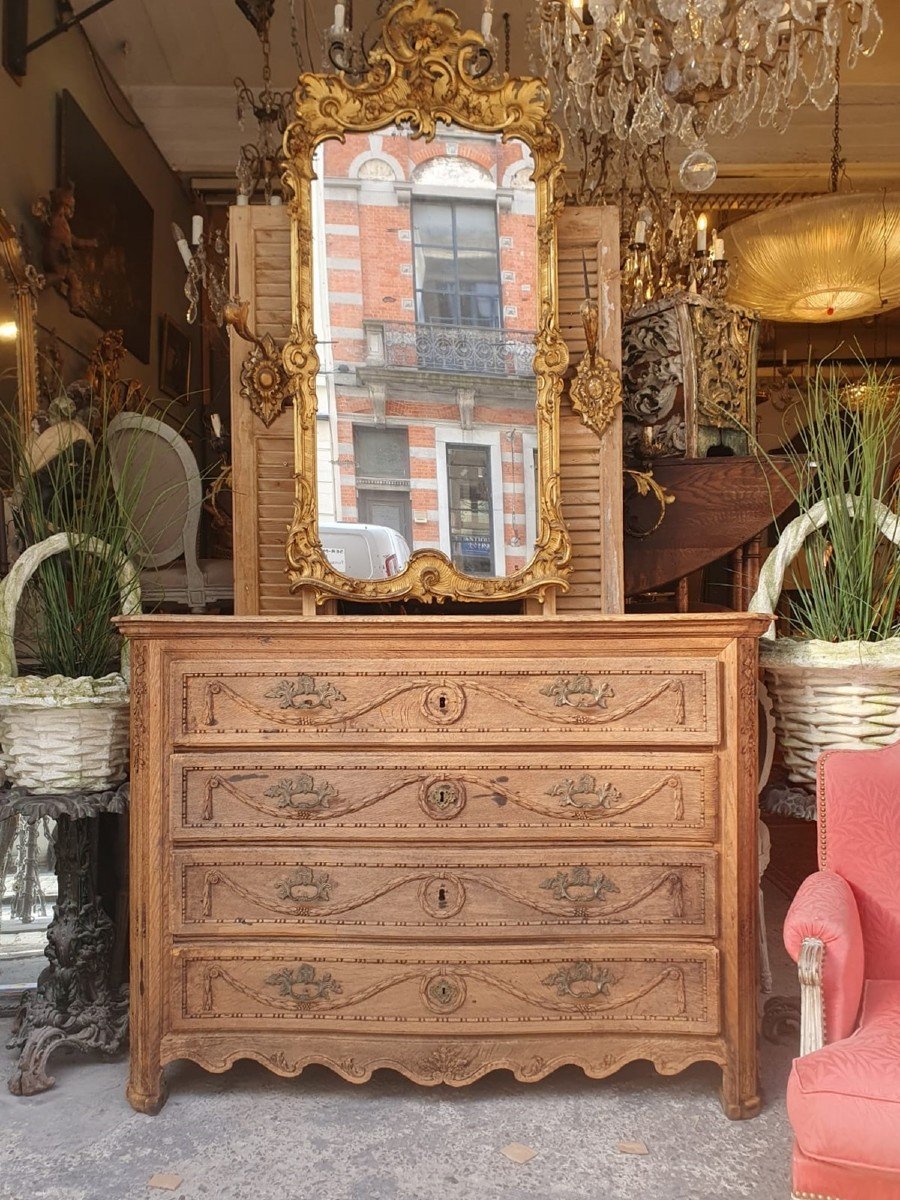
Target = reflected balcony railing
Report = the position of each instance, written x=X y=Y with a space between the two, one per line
x=455 y=349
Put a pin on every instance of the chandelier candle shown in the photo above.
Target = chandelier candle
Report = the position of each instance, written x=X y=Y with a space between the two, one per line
x=702 y=222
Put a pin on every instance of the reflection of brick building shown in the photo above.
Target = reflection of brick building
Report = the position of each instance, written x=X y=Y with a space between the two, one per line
x=426 y=328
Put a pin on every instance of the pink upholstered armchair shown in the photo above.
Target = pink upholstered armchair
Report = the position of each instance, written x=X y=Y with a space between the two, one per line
x=843 y=930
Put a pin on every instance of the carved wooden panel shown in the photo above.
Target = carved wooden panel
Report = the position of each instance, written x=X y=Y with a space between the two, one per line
x=660 y=796
x=639 y=987
x=475 y=892
x=603 y=700
x=426 y=1059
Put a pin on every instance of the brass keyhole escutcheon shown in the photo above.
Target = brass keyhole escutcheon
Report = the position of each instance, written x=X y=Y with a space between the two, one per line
x=442 y=799
x=443 y=992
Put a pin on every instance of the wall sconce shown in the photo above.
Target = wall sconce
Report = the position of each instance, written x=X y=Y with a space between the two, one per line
x=207 y=267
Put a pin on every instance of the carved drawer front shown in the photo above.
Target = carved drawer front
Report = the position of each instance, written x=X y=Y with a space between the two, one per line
x=317 y=795
x=429 y=891
x=546 y=988
x=604 y=700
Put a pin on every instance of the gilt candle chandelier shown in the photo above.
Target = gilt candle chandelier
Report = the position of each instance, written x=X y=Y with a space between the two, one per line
x=647 y=70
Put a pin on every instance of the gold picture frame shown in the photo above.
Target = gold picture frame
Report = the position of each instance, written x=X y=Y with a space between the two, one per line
x=25 y=284
x=424 y=72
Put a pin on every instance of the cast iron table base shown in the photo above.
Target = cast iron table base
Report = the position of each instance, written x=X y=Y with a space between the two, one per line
x=75 y=1003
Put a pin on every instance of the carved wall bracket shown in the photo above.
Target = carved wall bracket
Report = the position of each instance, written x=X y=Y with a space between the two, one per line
x=265 y=384
x=646 y=485
x=596 y=391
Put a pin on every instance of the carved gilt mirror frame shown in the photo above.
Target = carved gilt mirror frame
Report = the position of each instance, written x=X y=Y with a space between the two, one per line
x=25 y=284
x=422 y=73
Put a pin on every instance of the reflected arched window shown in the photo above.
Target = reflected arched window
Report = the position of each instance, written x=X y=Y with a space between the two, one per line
x=452 y=171
x=377 y=168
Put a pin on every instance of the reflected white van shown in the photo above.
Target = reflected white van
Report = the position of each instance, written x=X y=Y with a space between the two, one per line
x=364 y=551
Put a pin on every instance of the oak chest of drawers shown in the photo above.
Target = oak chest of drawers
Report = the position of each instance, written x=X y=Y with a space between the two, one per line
x=444 y=846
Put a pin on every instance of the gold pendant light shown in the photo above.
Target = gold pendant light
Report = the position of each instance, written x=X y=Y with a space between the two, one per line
x=833 y=258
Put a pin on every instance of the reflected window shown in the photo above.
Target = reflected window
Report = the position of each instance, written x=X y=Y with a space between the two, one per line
x=457 y=263
x=382 y=478
x=471 y=510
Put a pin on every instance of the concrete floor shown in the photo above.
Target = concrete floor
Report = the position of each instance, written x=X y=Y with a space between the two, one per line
x=248 y=1135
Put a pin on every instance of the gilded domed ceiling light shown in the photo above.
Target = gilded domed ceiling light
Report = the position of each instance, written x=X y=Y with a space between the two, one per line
x=832 y=258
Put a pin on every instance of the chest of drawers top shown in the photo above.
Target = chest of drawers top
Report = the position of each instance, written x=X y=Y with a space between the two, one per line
x=440 y=681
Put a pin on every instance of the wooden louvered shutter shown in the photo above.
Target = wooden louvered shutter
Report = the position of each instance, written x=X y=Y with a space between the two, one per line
x=591 y=469
x=263 y=459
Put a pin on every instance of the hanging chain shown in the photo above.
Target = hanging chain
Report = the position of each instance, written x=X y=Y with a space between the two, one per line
x=266 y=49
x=837 y=161
x=295 y=34
x=506 y=42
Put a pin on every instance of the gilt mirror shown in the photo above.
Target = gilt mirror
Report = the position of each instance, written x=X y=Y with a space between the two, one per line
x=425 y=356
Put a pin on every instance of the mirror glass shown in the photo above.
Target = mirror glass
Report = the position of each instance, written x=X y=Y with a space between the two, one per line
x=425 y=309
x=28 y=892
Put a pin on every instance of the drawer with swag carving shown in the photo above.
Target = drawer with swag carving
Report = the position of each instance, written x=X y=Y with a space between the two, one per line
x=603 y=701
x=317 y=795
x=436 y=893
x=486 y=990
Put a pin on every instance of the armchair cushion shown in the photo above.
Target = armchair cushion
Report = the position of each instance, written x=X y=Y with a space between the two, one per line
x=825 y=908
x=844 y=1100
x=859 y=839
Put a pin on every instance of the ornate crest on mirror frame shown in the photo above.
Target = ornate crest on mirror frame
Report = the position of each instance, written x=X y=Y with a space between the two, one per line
x=25 y=283
x=425 y=76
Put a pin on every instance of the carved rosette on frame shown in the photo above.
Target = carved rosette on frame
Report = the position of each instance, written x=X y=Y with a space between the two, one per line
x=424 y=73
x=689 y=377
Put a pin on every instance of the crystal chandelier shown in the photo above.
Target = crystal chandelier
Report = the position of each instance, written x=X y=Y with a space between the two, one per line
x=667 y=244
x=646 y=70
x=260 y=162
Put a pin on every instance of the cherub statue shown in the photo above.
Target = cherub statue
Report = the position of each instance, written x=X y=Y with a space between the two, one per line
x=60 y=244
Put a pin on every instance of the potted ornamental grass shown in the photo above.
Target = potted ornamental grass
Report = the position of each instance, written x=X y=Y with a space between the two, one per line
x=64 y=725
x=834 y=672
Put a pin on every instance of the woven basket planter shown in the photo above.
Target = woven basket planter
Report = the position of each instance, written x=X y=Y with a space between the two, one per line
x=826 y=695
x=59 y=734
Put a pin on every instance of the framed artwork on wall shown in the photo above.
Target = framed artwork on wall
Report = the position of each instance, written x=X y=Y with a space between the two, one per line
x=174 y=359
x=117 y=273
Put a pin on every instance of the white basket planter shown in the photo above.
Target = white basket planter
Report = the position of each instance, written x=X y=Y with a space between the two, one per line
x=59 y=734
x=826 y=695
